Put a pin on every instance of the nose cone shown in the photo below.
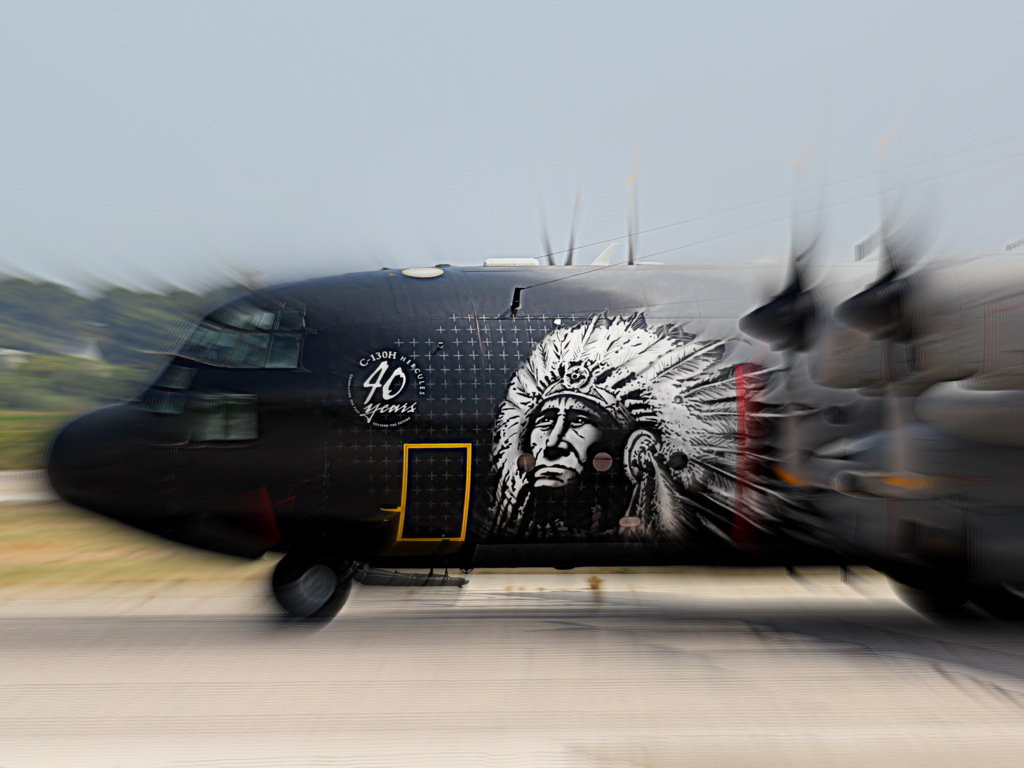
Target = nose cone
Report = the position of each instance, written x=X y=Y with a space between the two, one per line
x=113 y=462
x=88 y=464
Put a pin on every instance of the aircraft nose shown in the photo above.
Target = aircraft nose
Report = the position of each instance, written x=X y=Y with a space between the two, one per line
x=87 y=463
x=114 y=462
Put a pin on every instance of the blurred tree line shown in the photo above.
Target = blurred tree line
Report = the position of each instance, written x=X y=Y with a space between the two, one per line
x=84 y=351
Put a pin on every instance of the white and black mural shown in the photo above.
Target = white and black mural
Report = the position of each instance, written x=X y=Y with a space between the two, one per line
x=586 y=428
x=619 y=430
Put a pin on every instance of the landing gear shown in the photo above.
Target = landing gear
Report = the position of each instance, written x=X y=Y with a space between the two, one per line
x=945 y=600
x=935 y=598
x=939 y=601
x=1002 y=602
x=312 y=588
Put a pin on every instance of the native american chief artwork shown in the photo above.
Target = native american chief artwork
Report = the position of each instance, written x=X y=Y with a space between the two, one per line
x=614 y=429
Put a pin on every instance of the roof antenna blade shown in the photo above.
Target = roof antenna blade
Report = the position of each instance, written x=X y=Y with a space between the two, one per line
x=604 y=258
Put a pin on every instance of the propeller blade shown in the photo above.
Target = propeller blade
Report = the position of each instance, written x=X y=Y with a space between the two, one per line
x=798 y=263
x=789 y=427
x=632 y=213
x=787 y=320
x=784 y=321
x=902 y=246
x=898 y=414
x=547 y=241
x=247 y=275
x=572 y=230
x=882 y=309
x=896 y=447
x=806 y=219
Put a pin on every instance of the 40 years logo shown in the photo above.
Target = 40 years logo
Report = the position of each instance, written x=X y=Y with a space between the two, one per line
x=385 y=390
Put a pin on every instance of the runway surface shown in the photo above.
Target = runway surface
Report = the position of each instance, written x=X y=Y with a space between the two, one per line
x=704 y=669
x=25 y=485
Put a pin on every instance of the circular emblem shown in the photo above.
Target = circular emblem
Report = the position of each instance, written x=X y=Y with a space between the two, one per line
x=577 y=376
x=386 y=390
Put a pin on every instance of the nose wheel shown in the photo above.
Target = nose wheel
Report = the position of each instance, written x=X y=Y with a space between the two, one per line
x=312 y=588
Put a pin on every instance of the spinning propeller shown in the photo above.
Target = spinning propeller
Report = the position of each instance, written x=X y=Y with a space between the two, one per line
x=885 y=312
x=883 y=309
x=787 y=322
x=604 y=258
x=549 y=252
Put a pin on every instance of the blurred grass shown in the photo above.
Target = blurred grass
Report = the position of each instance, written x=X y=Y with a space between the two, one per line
x=61 y=383
x=53 y=543
x=25 y=437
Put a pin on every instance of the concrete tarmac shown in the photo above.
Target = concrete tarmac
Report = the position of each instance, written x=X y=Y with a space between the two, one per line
x=25 y=485
x=709 y=668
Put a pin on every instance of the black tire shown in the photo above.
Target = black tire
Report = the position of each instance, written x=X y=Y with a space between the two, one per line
x=938 y=600
x=310 y=588
x=1000 y=603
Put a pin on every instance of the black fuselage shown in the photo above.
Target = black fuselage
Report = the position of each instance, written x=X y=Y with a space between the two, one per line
x=610 y=418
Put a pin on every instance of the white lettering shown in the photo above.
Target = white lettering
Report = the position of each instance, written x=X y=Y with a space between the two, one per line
x=395 y=384
x=373 y=381
x=391 y=387
x=386 y=354
x=371 y=411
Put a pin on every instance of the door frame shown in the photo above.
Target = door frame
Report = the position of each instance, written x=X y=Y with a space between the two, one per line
x=466 y=498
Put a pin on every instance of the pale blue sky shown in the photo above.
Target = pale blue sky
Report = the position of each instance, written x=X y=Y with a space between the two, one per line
x=145 y=140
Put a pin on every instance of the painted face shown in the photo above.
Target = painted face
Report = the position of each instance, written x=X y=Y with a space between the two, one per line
x=564 y=431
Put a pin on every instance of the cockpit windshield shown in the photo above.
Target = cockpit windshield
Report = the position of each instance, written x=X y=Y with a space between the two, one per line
x=246 y=336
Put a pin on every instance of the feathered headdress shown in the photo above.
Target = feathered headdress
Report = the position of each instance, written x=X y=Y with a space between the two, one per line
x=660 y=380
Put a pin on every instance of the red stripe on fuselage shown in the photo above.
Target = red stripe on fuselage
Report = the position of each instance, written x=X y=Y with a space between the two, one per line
x=743 y=532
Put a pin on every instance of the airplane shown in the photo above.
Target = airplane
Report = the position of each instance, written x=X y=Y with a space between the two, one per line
x=626 y=414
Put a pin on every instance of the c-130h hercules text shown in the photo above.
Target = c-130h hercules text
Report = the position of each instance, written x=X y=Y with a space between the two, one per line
x=454 y=418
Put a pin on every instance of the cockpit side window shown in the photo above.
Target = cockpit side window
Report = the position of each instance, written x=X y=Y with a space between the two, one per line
x=222 y=417
x=176 y=377
x=247 y=350
x=161 y=401
x=289 y=320
x=245 y=317
x=167 y=394
x=245 y=336
x=284 y=352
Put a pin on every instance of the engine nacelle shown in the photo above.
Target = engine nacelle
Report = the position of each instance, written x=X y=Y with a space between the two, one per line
x=848 y=359
x=983 y=416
